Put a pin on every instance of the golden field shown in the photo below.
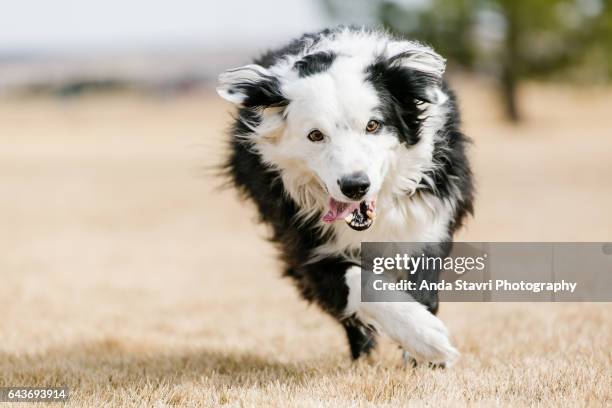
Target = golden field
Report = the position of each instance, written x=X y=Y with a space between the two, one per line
x=129 y=277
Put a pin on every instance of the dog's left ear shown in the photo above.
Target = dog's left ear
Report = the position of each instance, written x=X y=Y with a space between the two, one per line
x=251 y=86
x=416 y=68
x=417 y=57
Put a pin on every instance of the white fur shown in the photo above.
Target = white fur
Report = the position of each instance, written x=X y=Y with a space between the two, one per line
x=409 y=323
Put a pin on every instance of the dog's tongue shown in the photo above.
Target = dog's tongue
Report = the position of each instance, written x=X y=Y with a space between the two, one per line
x=339 y=210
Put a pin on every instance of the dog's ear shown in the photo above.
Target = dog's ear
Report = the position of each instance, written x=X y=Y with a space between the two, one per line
x=416 y=56
x=251 y=86
x=414 y=68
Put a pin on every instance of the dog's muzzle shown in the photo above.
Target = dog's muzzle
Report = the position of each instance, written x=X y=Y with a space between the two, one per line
x=357 y=215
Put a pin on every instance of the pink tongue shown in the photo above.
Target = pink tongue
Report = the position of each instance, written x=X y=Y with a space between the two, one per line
x=339 y=210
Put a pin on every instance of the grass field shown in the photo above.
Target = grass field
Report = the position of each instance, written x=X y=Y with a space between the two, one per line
x=126 y=276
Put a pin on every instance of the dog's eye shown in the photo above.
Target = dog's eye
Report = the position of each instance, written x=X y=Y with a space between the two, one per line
x=316 y=135
x=373 y=126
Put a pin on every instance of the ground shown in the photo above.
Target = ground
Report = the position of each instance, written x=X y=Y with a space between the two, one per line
x=127 y=276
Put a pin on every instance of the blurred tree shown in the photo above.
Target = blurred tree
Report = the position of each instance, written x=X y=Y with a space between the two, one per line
x=513 y=40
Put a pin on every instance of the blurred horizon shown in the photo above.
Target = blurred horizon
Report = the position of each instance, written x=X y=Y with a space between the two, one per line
x=67 y=47
x=69 y=27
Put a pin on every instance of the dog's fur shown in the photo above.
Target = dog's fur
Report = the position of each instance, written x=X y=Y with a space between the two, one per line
x=336 y=81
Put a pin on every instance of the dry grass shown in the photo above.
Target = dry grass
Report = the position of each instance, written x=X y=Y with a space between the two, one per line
x=127 y=278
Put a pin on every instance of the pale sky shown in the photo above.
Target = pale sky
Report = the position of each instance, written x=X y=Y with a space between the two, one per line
x=77 y=25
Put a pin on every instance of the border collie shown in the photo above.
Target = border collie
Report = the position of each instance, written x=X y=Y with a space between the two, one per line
x=344 y=136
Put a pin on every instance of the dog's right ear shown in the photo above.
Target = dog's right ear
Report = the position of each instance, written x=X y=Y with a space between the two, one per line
x=251 y=86
x=415 y=69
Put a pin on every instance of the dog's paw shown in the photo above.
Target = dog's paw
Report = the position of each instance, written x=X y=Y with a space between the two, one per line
x=422 y=335
x=426 y=339
x=408 y=361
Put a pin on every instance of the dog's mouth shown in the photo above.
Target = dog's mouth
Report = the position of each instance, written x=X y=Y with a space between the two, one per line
x=357 y=215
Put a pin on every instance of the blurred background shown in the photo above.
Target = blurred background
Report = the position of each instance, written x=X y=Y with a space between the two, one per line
x=117 y=244
x=70 y=47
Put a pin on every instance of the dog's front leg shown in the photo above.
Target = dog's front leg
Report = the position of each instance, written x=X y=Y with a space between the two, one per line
x=324 y=283
x=418 y=331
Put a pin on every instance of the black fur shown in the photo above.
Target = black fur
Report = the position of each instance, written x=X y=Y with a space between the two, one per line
x=402 y=90
x=454 y=172
x=261 y=94
x=314 y=63
x=361 y=338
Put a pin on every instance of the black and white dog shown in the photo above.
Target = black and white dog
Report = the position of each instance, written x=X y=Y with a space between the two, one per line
x=344 y=136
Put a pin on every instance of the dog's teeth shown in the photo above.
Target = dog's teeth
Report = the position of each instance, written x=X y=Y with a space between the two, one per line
x=371 y=214
x=348 y=218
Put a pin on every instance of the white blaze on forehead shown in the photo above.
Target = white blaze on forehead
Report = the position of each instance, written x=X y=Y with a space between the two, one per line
x=340 y=97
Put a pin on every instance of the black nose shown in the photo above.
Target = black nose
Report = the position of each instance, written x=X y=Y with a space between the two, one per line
x=355 y=185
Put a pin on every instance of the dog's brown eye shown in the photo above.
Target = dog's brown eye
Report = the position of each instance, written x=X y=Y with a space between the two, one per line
x=372 y=126
x=316 y=135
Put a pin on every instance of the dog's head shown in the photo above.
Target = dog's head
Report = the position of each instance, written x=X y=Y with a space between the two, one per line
x=335 y=119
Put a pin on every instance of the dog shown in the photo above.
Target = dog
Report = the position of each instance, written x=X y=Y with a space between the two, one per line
x=344 y=136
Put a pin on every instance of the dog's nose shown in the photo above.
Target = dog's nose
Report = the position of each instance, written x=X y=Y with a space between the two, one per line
x=355 y=185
